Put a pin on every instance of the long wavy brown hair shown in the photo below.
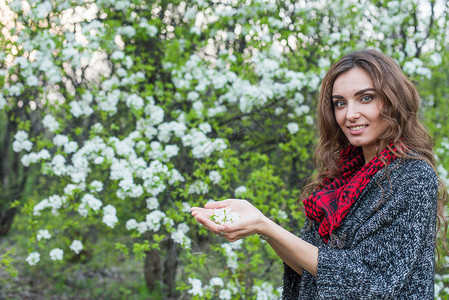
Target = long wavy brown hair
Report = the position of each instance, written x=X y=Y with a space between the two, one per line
x=400 y=111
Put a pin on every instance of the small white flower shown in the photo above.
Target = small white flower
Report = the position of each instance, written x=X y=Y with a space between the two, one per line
x=60 y=140
x=216 y=281
x=56 y=254
x=225 y=294
x=179 y=236
x=71 y=147
x=153 y=220
x=50 y=123
x=117 y=55
x=91 y=201
x=43 y=234
x=220 y=163
x=110 y=220
x=152 y=203
x=197 y=289
x=131 y=224
x=240 y=190
x=76 y=246
x=33 y=258
x=198 y=187
x=142 y=227
x=225 y=216
x=282 y=215
x=215 y=177
x=293 y=127
x=96 y=186
x=186 y=207
x=205 y=127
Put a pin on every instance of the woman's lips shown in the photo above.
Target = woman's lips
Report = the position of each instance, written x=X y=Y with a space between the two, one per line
x=358 y=129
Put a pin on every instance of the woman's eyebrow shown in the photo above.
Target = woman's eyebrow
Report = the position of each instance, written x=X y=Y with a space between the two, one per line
x=356 y=94
x=364 y=90
x=337 y=97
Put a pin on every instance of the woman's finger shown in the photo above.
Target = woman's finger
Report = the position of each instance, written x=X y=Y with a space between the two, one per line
x=199 y=210
x=218 y=204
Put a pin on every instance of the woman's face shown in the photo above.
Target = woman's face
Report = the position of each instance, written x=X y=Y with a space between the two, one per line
x=357 y=110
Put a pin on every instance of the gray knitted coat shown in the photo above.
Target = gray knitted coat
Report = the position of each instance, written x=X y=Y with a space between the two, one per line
x=383 y=249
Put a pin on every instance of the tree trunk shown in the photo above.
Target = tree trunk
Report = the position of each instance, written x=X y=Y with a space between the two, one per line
x=170 y=267
x=162 y=270
x=6 y=218
x=152 y=269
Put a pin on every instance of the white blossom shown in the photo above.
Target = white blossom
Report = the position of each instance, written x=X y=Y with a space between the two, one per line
x=231 y=255
x=32 y=80
x=56 y=254
x=215 y=177
x=153 y=220
x=70 y=147
x=134 y=101
x=302 y=110
x=50 y=123
x=96 y=186
x=131 y=224
x=29 y=158
x=92 y=202
x=33 y=258
x=205 y=127
x=193 y=96
x=109 y=216
x=179 y=236
x=216 y=281
x=293 y=127
x=142 y=227
x=43 y=234
x=225 y=294
x=186 y=207
x=21 y=142
x=225 y=216
x=152 y=203
x=309 y=120
x=198 y=187
x=264 y=292
x=76 y=246
x=42 y=9
x=117 y=55
x=197 y=289
x=154 y=113
x=221 y=163
x=60 y=140
x=128 y=31
x=240 y=190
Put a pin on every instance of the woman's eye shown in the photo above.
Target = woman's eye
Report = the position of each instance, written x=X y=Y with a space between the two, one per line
x=339 y=103
x=367 y=98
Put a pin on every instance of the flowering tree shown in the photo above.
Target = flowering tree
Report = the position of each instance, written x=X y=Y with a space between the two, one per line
x=137 y=110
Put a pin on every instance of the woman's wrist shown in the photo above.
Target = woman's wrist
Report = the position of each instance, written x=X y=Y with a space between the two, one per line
x=264 y=229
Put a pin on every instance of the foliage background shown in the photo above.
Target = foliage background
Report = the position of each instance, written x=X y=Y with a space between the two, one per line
x=117 y=116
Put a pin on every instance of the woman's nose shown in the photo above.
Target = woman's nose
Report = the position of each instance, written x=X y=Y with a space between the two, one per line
x=352 y=112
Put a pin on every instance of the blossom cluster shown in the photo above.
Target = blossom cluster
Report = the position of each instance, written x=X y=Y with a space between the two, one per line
x=225 y=216
x=226 y=291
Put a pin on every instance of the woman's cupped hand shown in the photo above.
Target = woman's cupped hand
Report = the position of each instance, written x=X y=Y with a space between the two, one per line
x=251 y=219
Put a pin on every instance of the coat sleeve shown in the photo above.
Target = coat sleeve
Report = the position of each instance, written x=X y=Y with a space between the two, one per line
x=387 y=247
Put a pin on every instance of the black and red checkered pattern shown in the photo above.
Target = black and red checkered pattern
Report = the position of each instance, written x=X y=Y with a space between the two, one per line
x=330 y=204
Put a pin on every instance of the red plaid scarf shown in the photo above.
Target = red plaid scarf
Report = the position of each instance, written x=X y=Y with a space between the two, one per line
x=331 y=203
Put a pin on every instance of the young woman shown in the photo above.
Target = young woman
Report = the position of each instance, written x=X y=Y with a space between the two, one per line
x=373 y=207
